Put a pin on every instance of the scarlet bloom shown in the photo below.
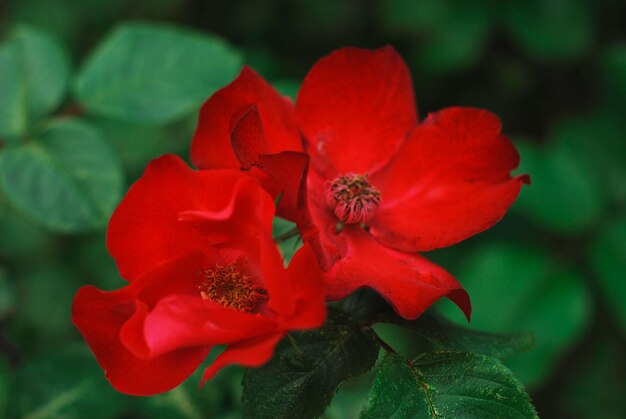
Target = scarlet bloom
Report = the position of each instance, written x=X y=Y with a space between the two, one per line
x=203 y=271
x=382 y=185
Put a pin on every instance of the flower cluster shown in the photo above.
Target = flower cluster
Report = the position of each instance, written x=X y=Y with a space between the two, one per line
x=368 y=185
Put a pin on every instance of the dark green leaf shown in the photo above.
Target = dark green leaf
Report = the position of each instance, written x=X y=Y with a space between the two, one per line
x=397 y=392
x=446 y=384
x=153 y=73
x=68 y=180
x=608 y=258
x=551 y=30
x=307 y=368
x=448 y=335
x=34 y=78
x=515 y=289
x=66 y=384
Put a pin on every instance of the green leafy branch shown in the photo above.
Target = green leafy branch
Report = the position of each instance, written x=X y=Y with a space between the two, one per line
x=309 y=367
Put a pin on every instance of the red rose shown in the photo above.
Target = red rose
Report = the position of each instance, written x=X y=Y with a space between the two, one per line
x=204 y=271
x=382 y=185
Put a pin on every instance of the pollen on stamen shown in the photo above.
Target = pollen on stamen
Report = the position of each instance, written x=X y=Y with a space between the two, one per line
x=352 y=198
x=231 y=287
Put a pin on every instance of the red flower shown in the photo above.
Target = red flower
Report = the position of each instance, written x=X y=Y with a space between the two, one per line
x=382 y=185
x=204 y=271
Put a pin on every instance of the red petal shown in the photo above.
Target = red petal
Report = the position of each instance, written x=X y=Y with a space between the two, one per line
x=307 y=288
x=164 y=214
x=249 y=353
x=409 y=282
x=288 y=170
x=248 y=137
x=280 y=173
x=450 y=180
x=320 y=229
x=182 y=321
x=175 y=316
x=275 y=277
x=149 y=290
x=211 y=147
x=355 y=108
x=99 y=316
x=180 y=276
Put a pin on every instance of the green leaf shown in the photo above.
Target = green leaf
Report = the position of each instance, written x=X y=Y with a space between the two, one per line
x=68 y=180
x=607 y=256
x=136 y=144
x=516 y=288
x=307 y=368
x=551 y=30
x=289 y=240
x=446 y=384
x=563 y=195
x=66 y=384
x=35 y=72
x=152 y=73
x=448 y=335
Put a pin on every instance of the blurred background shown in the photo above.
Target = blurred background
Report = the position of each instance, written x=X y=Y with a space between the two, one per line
x=553 y=70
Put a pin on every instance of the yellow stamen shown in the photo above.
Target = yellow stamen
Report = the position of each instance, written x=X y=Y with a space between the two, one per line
x=231 y=287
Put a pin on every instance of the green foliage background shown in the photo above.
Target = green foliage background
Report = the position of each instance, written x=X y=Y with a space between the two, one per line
x=89 y=93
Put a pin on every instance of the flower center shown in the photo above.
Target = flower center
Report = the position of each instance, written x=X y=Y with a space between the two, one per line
x=229 y=286
x=352 y=198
